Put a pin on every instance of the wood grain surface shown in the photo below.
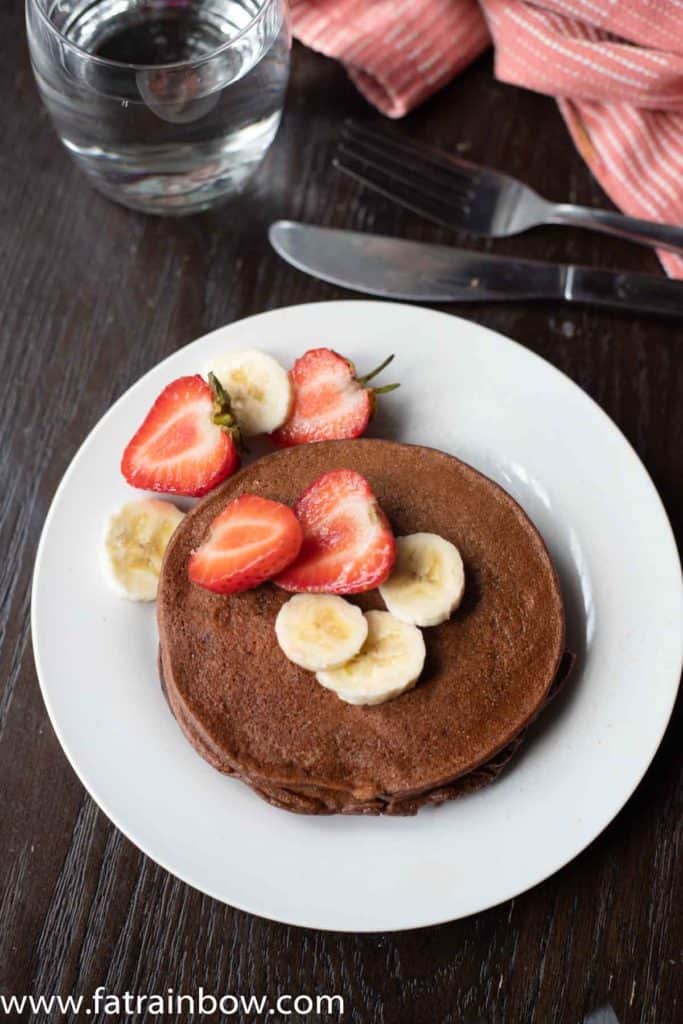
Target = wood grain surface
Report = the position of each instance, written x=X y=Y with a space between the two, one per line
x=91 y=297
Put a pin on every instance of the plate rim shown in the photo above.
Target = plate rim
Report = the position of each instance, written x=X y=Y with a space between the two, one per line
x=301 y=921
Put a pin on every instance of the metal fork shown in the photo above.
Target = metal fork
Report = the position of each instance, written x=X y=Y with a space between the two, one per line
x=476 y=199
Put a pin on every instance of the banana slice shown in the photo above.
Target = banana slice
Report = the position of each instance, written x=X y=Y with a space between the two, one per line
x=135 y=542
x=427 y=581
x=260 y=390
x=389 y=663
x=319 y=631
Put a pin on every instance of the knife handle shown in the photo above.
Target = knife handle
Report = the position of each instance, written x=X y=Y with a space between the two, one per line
x=637 y=293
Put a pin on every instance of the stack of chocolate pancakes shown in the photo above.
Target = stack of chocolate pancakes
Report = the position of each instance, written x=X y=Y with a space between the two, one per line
x=489 y=670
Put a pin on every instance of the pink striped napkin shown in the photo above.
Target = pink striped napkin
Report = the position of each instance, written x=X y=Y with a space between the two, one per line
x=616 y=69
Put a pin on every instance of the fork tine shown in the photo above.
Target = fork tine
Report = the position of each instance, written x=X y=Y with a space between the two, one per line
x=435 y=180
x=418 y=156
x=432 y=185
x=397 y=190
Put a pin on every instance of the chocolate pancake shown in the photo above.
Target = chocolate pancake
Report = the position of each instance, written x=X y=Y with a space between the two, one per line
x=252 y=713
x=318 y=801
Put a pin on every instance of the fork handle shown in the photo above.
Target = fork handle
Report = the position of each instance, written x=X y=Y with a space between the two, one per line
x=647 y=232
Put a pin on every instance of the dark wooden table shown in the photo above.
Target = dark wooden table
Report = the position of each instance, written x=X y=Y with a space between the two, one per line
x=91 y=297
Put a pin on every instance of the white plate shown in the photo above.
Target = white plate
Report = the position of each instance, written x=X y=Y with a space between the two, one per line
x=468 y=391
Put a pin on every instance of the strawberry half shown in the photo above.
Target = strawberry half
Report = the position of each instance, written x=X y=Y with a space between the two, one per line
x=348 y=544
x=249 y=542
x=188 y=442
x=330 y=402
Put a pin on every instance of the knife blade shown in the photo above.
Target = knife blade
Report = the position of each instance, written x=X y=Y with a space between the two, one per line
x=393 y=268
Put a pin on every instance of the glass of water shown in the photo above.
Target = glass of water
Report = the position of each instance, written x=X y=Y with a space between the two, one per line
x=167 y=105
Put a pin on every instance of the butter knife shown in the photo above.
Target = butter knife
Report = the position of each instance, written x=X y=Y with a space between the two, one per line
x=393 y=268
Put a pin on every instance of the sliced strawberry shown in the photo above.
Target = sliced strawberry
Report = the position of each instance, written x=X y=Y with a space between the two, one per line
x=188 y=441
x=348 y=544
x=330 y=402
x=249 y=542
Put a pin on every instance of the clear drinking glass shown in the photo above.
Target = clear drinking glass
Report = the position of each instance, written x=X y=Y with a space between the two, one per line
x=167 y=105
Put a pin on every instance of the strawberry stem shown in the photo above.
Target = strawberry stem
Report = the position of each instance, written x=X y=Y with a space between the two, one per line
x=385 y=389
x=223 y=415
x=373 y=373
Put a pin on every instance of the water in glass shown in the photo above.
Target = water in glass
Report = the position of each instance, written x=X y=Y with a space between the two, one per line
x=168 y=105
